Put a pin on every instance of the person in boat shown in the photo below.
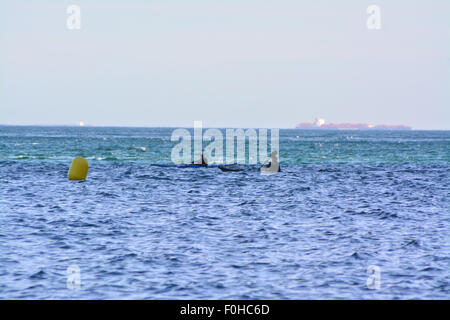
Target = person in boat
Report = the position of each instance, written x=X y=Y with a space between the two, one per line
x=203 y=161
x=273 y=164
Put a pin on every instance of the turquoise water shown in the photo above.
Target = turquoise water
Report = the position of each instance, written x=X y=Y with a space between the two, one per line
x=153 y=145
x=344 y=201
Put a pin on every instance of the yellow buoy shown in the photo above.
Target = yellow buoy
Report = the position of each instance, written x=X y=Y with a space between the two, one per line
x=78 y=169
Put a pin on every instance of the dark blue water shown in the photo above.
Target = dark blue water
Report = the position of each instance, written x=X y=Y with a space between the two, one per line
x=344 y=201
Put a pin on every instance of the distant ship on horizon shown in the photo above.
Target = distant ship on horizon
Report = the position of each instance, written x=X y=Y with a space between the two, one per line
x=319 y=123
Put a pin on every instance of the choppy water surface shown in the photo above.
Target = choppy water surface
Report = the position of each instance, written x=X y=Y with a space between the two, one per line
x=345 y=200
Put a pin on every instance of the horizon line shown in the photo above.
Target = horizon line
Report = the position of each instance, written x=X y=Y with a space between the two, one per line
x=224 y=127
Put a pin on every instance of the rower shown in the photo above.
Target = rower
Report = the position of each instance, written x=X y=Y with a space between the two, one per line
x=202 y=162
x=274 y=165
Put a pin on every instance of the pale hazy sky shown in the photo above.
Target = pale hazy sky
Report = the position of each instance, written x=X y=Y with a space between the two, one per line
x=234 y=63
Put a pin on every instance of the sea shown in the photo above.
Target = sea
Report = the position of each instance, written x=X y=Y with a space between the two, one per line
x=351 y=215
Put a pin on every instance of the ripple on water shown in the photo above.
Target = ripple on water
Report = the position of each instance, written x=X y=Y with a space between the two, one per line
x=137 y=231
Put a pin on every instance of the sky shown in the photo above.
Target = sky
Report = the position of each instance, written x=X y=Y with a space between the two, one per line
x=234 y=63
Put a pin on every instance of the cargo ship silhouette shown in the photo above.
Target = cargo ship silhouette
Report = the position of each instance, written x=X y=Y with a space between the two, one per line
x=320 y=123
